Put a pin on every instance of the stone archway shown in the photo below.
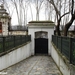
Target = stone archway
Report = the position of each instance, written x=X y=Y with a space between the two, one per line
x=41 y=42
x=41 y=34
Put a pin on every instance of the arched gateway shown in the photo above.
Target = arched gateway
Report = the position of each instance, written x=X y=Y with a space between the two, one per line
x=41 y=42
x=41 y=32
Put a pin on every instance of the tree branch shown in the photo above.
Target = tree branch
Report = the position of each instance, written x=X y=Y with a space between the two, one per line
x=52 y=2
x=64 y=14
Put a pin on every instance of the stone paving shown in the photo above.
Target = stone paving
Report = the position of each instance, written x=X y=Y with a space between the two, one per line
x=34 y=65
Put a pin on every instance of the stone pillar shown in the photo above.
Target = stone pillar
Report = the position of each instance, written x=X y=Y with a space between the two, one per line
x=5 y=19
x=4 y=30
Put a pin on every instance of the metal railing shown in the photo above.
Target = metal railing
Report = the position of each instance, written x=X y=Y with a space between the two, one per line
x=66 y=46
x=9 y=42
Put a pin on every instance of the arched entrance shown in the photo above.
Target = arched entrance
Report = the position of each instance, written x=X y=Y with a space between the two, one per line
x=41 y=42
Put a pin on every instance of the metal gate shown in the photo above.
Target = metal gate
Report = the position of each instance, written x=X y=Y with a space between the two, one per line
x=41 y=46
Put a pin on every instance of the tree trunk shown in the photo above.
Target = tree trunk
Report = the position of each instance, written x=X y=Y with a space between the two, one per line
x=68 y=25
x=66 y=29
x=58 y=28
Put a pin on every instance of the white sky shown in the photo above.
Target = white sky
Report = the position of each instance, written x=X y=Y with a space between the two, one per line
x=14 y=20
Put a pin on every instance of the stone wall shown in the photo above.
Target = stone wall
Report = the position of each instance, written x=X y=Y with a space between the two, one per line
x=17 y=32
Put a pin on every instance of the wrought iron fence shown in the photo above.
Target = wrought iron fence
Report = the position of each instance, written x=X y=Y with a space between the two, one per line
x=9 y=42
x=66 y=46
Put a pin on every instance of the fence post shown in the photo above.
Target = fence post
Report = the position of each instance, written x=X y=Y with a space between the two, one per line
x=30 y=37
x=14 y=41
x=61 y=44
x=3 y=44
x=57 y=41
x=70 y=54
x=20 y=39
x=26 y=39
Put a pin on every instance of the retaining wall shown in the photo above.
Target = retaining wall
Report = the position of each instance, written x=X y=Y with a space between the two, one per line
x=15 y=56
x=62 y=62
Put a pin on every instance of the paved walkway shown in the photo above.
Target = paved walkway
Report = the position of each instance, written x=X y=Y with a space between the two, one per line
x=35 y=65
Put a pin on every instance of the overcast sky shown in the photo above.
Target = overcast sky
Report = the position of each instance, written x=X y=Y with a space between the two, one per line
x=42 y=16
x=14 y=20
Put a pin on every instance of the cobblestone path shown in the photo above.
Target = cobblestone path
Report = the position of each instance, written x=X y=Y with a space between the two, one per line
x=34 y=65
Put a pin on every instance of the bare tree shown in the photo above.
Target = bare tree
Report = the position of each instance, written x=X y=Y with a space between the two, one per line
x=71 y=20
x=38 y=6
x=15 y=4
x=24 y=7
x=31 y=11
x=48 y=10
x=57 y=8
x=21 y=7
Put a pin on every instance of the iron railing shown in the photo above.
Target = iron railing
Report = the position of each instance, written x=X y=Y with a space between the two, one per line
x=66 y=46
x=9 y=42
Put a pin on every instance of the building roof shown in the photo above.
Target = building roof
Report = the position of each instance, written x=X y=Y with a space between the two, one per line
x=41 y=23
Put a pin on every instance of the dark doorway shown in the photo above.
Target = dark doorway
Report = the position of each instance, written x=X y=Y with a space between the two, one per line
x=41 y=46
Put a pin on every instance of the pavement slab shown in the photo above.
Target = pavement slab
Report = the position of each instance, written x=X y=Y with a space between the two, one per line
x=34 y=65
